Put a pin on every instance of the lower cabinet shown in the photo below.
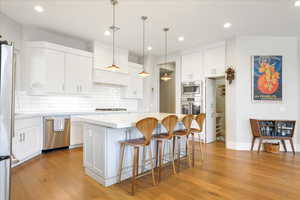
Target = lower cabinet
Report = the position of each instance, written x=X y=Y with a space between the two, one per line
x=27 y=141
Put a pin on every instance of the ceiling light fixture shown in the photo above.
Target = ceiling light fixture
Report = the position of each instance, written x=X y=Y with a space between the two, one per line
x=227 y=25
x=144 y=74
x=149 y=48
x=166 y=76
x=181 y=38
x=39 y=8
x=107 y=33
x=297 y=3
x=114 y=28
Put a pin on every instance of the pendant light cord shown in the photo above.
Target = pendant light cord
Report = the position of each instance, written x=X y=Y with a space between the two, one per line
x=166 y=44
x=114 y=28
x=144 y=20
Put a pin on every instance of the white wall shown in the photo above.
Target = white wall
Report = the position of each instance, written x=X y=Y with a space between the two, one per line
x=239 y=104
x=31 y=33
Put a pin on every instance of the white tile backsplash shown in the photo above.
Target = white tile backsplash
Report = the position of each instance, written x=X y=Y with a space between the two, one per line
x=101 y=97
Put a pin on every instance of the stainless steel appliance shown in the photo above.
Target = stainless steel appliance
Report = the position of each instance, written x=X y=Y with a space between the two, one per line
x=191 y=99
x=191 y=88
x=56 y=132
x=6 y=116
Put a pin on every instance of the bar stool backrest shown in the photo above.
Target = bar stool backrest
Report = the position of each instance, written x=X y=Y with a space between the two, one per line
x=169 y=123
x=146 y=127
x=187 y=122
x=200 y=120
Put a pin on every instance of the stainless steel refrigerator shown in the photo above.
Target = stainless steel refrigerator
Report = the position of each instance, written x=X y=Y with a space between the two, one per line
x=6 y=116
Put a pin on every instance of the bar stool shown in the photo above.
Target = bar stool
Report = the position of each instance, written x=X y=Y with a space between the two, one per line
x=200 y=121
x=187 y=122
x=169 y=123
x=146 y=127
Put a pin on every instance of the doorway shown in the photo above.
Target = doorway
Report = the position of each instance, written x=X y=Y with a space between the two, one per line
x=215 y=94
x=167 y=88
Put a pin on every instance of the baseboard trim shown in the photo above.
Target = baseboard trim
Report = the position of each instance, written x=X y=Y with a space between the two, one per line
x=75 y=146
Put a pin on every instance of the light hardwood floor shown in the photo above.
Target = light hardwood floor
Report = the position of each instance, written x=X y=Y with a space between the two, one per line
x=226 y=174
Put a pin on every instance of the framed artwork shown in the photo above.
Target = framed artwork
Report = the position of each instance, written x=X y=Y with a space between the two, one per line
x=267 y=78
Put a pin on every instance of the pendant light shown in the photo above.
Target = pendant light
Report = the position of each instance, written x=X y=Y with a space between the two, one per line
x=114 y=28
x=166 y=77
x=144 y=74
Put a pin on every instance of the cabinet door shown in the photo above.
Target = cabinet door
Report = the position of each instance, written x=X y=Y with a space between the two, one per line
x=18 y=148
x=32 y=142
x=214 y=61
x=134 y=90
x=72 y=75
x=85 y=74
x=54 y=71
x=191 y=69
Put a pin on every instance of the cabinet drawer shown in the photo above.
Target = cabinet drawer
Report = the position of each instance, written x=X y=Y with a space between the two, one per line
x=27 y=123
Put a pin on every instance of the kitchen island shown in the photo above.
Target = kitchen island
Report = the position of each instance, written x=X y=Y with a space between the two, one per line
x=102 y=134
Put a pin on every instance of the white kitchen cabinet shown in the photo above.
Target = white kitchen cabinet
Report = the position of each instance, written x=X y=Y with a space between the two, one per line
x=191 y=68
x=214 y=60
x=27 y=141
x=78 y=74
x=103 y=57
x=76 y=136
x=134 y=90
x=55 y=69
x=45 y=70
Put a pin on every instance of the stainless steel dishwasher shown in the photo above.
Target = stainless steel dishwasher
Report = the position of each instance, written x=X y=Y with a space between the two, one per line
x=56 y=137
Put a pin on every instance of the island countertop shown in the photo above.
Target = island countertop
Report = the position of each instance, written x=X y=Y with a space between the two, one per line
x=122 y=120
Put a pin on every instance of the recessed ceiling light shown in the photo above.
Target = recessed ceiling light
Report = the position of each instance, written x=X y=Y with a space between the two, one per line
x=297 y=3
x=181 y=38
x=39 y=9
x=227 y=25
x=149 y=48
x=107 y=33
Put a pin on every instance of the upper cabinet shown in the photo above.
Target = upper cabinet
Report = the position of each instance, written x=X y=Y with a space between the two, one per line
x=134 y=90
x=214 y=60
x=191 y=69
x=103 y=57
x=54 y=69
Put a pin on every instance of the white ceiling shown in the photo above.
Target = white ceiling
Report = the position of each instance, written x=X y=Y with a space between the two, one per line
x=199 y=21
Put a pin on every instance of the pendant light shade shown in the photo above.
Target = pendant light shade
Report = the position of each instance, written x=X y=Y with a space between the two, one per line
x=144 y=74
x=114 y=28
x=166 y=76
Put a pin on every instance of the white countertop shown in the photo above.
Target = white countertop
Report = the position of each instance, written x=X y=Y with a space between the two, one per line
x=23 y=115
x=121 y=120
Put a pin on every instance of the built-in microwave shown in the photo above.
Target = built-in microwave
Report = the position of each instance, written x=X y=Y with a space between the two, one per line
x=191 y=88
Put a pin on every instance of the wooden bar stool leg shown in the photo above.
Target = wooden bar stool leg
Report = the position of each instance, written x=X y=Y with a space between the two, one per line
x=174 y=142
x=137 y=161
x=152 y=165
x=188 y=151
x=160 y=147
x=200 y=147
x=133 y=179
x=144 y=159
x=193 y=149
x=122 y=150
x=178 y=152
x=293 y=148
x=172 y=156
x=156 y=153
